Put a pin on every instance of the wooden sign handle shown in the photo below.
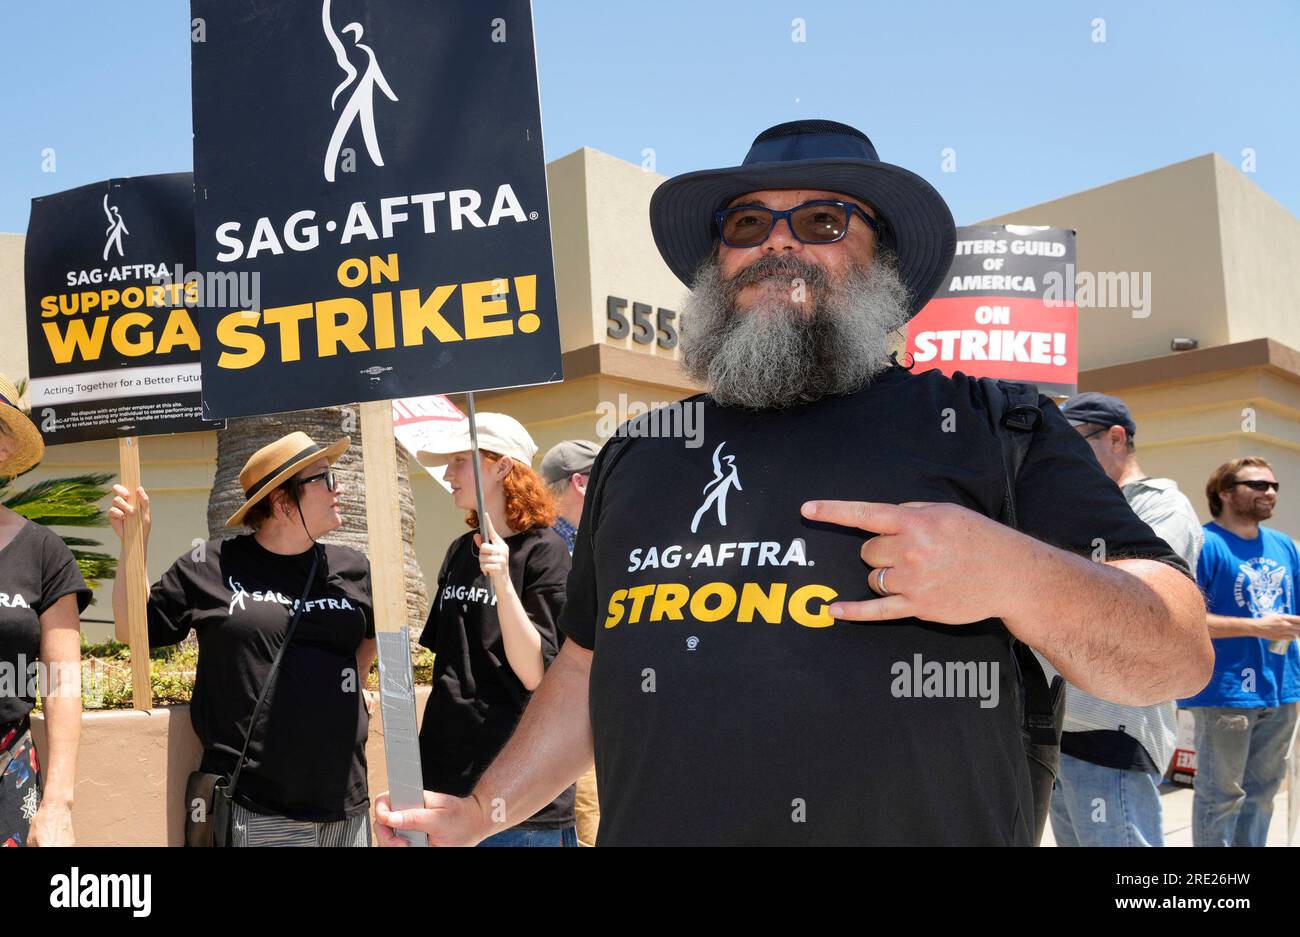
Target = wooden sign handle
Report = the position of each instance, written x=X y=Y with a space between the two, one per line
x=136 y=577
x=383 y=516
x=388 y=588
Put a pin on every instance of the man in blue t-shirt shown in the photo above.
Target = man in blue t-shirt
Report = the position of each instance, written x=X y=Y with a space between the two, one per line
x=1246 y=716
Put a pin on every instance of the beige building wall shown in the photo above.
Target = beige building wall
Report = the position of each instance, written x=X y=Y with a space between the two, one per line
x=13 y=318
x=624 y=260
x=1196 y=411
x=571 y=245
x=1260 y=241
x=1220 y=251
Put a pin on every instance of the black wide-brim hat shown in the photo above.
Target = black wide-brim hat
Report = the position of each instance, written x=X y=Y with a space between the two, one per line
x=812 y=154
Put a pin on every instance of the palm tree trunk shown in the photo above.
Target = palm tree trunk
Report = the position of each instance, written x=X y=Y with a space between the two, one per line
x=242 y=437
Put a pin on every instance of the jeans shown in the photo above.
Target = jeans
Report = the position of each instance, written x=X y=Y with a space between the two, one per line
x=565 y=836
x=1097 y=806
x=1240 y=761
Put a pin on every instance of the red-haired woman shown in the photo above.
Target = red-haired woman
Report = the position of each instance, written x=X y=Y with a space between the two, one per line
x=492 y=649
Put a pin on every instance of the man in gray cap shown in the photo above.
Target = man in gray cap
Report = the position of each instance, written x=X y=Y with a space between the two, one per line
x=1113 y=757
x=565 y=469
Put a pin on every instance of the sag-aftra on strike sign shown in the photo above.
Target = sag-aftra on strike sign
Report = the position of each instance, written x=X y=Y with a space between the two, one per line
x=377 y=166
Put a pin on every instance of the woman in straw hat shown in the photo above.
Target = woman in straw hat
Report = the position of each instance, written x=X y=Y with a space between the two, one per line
x=490 y=650
x=42 y=595
x=302 y=781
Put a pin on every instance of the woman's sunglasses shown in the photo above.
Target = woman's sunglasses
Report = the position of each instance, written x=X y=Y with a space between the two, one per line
x=330 y=481
x=821 y=221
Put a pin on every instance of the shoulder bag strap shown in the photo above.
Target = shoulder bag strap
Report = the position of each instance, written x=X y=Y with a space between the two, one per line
x=275 y=666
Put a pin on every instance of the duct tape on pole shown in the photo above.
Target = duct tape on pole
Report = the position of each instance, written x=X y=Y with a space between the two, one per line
x=392 y=637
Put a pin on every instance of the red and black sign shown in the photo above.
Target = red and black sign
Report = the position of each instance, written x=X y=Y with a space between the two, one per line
x=1002 y=311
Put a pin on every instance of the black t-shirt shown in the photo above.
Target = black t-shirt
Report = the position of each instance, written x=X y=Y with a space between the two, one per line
x=729 y=708
x=36 y=570
x=477 y=699
x=307 y=758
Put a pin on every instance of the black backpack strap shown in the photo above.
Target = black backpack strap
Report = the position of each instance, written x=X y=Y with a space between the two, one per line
x=1014 y=415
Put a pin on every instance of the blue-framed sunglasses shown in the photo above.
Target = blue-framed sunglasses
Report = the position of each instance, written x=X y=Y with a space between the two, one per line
x=820 y=221
x=330 y=481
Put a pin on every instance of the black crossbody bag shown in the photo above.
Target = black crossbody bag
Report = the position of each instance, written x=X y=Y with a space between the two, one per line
x=209 y=797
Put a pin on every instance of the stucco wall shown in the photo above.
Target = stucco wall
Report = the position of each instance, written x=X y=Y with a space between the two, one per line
x=1164 y=223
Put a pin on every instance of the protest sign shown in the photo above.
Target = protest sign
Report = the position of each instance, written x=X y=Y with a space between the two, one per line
x=379 y=166
x=1005 y=309
x=112 y=347
x=417 y=422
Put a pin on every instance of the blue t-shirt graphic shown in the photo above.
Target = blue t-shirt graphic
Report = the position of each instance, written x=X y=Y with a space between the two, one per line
x=1249 y=579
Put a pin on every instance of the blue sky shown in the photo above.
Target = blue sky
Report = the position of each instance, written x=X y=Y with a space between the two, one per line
x=1031 y=105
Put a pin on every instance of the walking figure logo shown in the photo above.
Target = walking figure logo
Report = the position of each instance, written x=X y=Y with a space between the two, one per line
x=361 y=100
x=116 y=228
x=237 y=595
x=723 y=481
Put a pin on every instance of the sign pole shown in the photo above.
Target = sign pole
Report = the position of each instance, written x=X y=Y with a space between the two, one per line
x=388 y=587
x=135 y=577
x=478 y=479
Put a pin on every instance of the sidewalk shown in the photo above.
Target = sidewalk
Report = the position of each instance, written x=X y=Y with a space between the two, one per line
x=1177 y=803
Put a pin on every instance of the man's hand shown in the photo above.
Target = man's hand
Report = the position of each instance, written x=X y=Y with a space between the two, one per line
x=1277 y=627
x=448 y=821
x=940 y=560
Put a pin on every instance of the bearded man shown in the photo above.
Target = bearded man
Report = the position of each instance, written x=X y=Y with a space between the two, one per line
x=801 y=632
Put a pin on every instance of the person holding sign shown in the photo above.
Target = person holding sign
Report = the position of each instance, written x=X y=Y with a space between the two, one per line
x=42 y=595
x=302 y=778
x=493 y=627
x=828 y=653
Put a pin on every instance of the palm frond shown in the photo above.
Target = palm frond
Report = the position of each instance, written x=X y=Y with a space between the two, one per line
x=71 y=502
x=95 y=567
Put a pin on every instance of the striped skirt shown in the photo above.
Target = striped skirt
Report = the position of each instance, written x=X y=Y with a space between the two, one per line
x=259 y=829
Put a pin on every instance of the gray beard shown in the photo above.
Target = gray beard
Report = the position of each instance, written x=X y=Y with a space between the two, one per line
x=781 y=353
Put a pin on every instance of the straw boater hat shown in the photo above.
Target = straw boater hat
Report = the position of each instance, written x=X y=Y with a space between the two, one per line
x=28 y=447
x=269 y=466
